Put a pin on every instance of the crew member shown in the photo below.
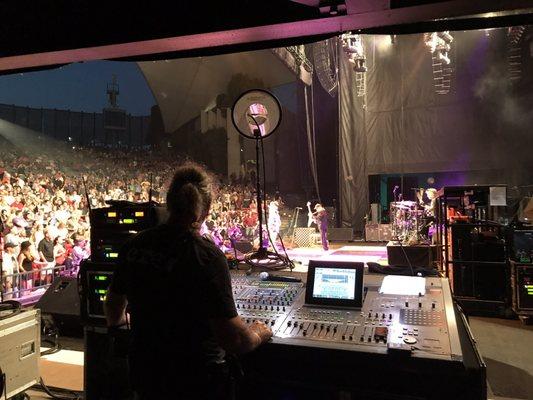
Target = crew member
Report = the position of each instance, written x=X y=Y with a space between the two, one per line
x=321 y=218
x=177 y=286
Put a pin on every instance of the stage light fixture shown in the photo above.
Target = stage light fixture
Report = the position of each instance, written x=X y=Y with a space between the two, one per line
x=439 y=44
x=256 y=114
x=332 y=7
x=352 y=45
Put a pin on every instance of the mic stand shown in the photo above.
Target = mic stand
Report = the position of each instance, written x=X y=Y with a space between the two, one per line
x=262 y=258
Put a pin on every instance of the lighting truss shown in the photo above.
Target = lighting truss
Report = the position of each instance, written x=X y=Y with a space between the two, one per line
x=298 y=52
x=352 y=45
x=440 y=44
x=514 y=53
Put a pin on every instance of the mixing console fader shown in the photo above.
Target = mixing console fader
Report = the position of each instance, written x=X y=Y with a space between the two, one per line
x=265 y=301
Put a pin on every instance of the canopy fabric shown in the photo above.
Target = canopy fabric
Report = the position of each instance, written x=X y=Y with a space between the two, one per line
x=184 y=87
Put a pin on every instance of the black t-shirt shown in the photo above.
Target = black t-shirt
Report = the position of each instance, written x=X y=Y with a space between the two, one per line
x=175 y=282
x=47 y=248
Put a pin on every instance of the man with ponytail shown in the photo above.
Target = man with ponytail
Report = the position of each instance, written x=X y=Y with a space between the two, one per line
x=178 y=289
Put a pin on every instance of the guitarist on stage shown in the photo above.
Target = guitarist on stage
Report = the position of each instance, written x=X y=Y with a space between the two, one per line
x=320 y=217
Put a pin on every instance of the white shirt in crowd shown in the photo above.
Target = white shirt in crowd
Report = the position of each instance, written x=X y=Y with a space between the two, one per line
x=9 y=263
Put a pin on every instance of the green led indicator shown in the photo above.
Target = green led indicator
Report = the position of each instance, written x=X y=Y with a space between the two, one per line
x=100 y=278
x=128 y=221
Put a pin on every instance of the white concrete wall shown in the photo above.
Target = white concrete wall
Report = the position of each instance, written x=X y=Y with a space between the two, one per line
x=234 y=147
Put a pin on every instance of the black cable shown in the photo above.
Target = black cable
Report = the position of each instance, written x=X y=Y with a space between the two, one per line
x=51 y=333
x=3 y=385
x=11 y=306
x=290 y=262
x=56 y=347
x=405 y=254
x=64 y=394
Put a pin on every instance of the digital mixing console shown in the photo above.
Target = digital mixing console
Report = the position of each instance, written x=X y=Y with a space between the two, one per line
x=265 y=301
x=366 y=336
x=421 y=324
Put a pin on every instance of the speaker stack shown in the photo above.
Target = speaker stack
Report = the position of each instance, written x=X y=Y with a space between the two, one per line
x=60 y=306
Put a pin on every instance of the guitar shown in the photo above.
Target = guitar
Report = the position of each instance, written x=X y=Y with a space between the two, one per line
x=310 y=216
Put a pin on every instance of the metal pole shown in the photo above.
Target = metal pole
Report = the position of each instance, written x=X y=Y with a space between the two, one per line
x=258 y=190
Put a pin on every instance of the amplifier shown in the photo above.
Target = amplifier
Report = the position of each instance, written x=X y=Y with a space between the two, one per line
x=95 y=278
x=385 y=232
x=417 y=256
x=302 y=236
x=112 y=226
x=378 y=232
x=340 y=234
x=522 y=246
x=127 y=216
x=522 y=285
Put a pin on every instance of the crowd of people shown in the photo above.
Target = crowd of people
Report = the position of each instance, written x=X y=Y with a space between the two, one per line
x=44 y=196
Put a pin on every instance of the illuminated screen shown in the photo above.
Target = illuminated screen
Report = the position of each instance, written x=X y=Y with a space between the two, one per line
x=334 y=283
x=98 y=284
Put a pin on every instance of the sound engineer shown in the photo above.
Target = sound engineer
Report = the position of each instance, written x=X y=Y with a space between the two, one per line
x=178 y=289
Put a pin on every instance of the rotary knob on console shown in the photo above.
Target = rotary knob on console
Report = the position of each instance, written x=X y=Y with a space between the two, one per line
x=410 y=340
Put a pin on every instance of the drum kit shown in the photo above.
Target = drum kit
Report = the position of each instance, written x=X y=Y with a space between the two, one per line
x=409 y=222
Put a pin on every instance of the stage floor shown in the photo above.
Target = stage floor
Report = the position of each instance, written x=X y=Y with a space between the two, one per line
x=363 y=252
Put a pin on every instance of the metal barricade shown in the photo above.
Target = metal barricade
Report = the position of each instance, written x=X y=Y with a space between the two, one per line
x=28 y=286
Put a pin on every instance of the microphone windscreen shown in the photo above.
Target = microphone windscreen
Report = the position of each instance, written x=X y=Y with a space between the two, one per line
x=263 y=276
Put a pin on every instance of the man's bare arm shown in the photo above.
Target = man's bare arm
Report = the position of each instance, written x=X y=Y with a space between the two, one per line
x=114 y=307
x=236 y=337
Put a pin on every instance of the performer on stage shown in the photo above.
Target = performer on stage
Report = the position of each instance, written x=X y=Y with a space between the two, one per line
x=431 y=206
x=430 y=212
x=321 y=219
x=274 y=219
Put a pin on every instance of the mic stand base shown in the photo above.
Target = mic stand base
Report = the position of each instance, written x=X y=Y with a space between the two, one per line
x=262 y=258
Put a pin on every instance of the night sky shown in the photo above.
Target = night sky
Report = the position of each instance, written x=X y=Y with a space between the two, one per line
x=79 y=87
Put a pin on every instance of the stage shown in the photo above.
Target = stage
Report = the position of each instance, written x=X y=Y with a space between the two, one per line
x=363 y=252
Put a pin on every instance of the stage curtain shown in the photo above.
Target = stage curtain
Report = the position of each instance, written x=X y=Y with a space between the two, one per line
x=352 y=149
x=481 y=129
